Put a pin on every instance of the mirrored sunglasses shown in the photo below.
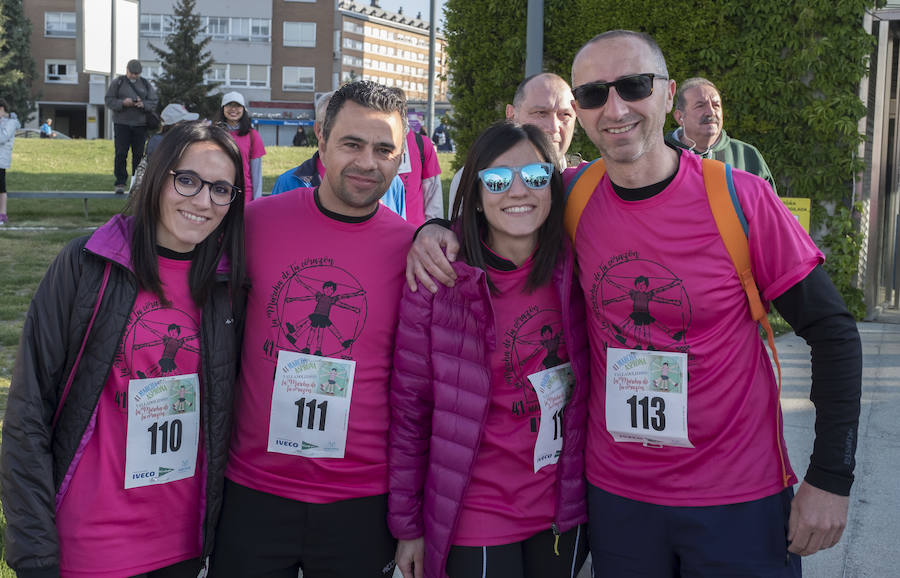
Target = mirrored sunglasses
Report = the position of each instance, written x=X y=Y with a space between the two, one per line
x=499 y=179
x=188 y=183
x=630 y=88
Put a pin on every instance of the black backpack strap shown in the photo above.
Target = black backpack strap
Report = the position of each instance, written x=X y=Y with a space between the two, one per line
x=421 y=144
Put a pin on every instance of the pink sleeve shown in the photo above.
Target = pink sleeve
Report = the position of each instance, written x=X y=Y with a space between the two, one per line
x=431 y=168
x=257 y=148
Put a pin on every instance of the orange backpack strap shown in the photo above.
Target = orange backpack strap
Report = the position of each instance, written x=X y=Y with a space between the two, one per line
x=733 y=229
x=579 y=192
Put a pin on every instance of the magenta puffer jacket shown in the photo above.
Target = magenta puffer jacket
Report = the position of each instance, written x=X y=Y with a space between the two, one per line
x=440 y=393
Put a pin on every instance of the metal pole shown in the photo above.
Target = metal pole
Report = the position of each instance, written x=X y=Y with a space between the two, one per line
x=534 y=40
x=431 y=52
x=107 y=113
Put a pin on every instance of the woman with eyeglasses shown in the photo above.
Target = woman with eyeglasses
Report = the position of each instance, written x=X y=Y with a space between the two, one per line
x=488 y=395
x=119 y=413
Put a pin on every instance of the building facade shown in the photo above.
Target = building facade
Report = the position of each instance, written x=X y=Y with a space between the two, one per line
x=280 y=54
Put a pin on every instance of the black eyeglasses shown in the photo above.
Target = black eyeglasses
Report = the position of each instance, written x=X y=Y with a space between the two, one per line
x=630 y=88
x=189 y=183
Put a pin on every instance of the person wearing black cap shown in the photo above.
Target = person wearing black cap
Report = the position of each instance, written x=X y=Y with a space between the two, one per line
x=129 y=98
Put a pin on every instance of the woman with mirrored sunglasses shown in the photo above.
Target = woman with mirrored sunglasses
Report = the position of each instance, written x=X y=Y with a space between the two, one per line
x=489 y=389
x=119 y=414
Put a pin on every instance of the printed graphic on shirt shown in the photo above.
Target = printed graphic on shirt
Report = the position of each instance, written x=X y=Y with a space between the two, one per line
x=318 y=308
x=634 y=294
x=535 y=334
x=159 y=341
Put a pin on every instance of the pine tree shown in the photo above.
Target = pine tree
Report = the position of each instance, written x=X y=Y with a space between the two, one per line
x=17 y=69
x=184 y=63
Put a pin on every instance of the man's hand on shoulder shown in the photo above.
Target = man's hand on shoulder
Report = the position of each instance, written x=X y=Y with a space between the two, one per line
x=817 y=520
x=430 y=256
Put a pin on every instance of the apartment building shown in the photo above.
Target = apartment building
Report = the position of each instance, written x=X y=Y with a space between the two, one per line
x=280 y=54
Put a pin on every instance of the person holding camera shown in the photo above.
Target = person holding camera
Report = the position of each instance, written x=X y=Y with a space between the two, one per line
x=130 y=98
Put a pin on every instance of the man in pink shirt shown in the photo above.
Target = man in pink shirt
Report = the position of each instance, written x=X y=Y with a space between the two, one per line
x=306 y=481
x=694 y=480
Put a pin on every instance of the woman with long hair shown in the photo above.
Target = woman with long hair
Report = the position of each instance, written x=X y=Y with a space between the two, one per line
x=119 y=413
x=486 y=477
x=234 y=116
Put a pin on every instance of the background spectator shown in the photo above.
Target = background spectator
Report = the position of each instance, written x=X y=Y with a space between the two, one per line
x=234 y=114
x=8 y=125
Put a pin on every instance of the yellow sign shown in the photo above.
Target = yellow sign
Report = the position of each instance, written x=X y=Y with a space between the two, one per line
x=800 y=207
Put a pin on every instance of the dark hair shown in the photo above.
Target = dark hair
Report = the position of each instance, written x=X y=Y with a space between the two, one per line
x=472 y=224
x=227 y=240
x=368 y=94
x=642 y=36
x=244 y=124
x=134 y=66
x=689 y=84
x=4 y=105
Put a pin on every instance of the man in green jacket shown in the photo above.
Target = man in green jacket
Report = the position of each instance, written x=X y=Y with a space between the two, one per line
x=698 y=111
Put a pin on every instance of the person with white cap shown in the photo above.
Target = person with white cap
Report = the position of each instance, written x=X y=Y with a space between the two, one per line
x=171 y=115
x=235 y=116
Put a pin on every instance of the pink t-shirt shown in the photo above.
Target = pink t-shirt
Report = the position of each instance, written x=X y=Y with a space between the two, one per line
x=506 y=501
x=309 y=270
x=412 y=180
x=106 y=531
x=251 y=147
x=655 y=274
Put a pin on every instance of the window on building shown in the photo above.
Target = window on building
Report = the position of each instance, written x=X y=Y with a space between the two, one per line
x=150 y=69
x=217 y=27
x=353 y=27
x=240 y=29
x=238 y=75
x=259 y=75
x=59 y=24
x=156 y=25
x=60 y=72
x=300 y=34
x=298 y=78
x=217 y=73
x=260 y=30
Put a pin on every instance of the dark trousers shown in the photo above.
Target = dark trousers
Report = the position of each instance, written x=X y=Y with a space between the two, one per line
x=637 y=539
x=262 y=535
x=541 y=556
x=186 y=569
x=128 y=137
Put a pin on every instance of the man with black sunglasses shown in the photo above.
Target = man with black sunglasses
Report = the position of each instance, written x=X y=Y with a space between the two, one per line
x=698 y=112
x=694 y=480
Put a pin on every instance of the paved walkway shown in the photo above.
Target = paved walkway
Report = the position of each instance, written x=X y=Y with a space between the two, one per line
x=870 y=546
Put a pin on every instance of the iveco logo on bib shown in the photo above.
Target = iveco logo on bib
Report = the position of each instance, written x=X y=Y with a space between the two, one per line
x=287 y=443
x=142 y=475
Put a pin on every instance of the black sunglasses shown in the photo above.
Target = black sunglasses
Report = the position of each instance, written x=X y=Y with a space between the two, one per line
x=630 y=88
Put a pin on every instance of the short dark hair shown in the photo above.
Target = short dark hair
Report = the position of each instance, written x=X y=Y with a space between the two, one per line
x=3 y=105
x=134 y=66
x=244 y=124
x=368 y=94
x=642 y=36
x=689 y=84
x=471 y=223
x=227 y=240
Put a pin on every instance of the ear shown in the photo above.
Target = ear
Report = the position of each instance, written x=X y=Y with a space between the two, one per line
x=510 y=112
x=678 y=116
